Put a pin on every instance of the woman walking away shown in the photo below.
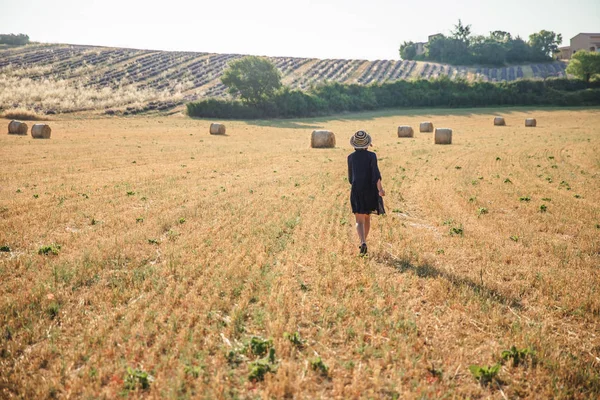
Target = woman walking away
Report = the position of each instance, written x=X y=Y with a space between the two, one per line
x=364 y=176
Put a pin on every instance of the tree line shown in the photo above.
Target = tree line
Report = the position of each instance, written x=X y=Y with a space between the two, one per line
x=256 y=86
x=498 y=48
x=15 y=40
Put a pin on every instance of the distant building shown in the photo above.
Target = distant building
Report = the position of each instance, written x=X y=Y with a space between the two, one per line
x=431 y=37
x=420 y=46
x=564 y=53
x=582 y=41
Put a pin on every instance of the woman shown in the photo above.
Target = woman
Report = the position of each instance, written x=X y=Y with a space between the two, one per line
x=364 y=176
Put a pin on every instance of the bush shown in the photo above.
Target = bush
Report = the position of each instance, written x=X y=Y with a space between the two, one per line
x=23 y=115
x=443 y=92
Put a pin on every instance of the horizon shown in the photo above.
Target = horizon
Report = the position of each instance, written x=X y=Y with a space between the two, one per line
x=266 y=29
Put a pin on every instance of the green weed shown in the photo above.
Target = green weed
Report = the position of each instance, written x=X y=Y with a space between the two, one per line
x=294 y=338
x=565 y=185
x=130 y=193
x=259 y=368
x=193 y=370
x=318 y=365
x=52 y=249
x=456 y=231
x=484 y=375
x=524 y=198
x=259 y=346
x=482 y=210
x=507 y=180
x=137 y=378
x=543 y=208
x=53 y=310
x=5 y=249
x=518 y=356
x=514 y=238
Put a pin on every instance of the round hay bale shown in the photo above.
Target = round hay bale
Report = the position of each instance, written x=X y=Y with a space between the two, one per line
x=442 y=136
x=405 y=131
x=217 y=129
x=41 y=131
x=322 y=139
x=17 y=128
x=499 y=121
x=530 y=122
x=426 y=127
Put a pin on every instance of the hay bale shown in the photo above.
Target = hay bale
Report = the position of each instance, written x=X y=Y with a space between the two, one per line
x=217 y=129
x=322 y=139
x=426 y=127
x=17 y=128
x=405 y=131
x=442 y=136
x=41 y=131
x=530 y=122
x=499 y=121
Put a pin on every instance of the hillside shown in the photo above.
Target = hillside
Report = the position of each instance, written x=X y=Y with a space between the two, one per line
x=66 y=78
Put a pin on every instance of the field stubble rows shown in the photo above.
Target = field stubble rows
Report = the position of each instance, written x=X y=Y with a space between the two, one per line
x=67 y=78
x=176 y=246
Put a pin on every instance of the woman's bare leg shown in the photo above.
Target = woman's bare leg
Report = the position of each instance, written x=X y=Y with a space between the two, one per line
x=360 y=227
x=367 y=226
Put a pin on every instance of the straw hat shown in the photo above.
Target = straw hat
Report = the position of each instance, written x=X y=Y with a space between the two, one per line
x=360 y=140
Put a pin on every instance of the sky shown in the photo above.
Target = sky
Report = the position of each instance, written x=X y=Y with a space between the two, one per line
x=348 y=29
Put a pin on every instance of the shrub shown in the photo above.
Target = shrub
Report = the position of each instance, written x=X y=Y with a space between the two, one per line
x=442 y=92
x=23 y=115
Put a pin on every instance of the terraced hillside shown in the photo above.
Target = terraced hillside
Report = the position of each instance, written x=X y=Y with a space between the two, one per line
x=68 y=78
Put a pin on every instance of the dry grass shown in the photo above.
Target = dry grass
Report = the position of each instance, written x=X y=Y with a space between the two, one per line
x=176 y=246
x=69 y=96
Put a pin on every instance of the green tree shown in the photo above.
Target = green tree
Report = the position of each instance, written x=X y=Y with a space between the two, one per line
x=461 y=32
x=16 y=40
x=545 y=43
x=518 y=51
x=501 y=36
x=408 y=51
x=489 y=52
x=584 y=65
x=253 y=79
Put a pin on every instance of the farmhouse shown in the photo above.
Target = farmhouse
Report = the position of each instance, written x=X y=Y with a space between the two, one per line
x=582 y=41
x=420 y=46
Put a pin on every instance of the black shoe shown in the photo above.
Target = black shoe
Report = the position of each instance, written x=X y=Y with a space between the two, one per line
x=363 y=249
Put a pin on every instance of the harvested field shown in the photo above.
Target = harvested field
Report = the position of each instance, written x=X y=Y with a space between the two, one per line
x=148 y=244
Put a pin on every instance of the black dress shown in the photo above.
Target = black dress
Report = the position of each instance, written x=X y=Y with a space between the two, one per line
x=363 y=175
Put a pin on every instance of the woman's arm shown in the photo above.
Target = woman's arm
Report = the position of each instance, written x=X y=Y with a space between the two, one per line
x=349 y=170
x=380 y=188
x=376 y=175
